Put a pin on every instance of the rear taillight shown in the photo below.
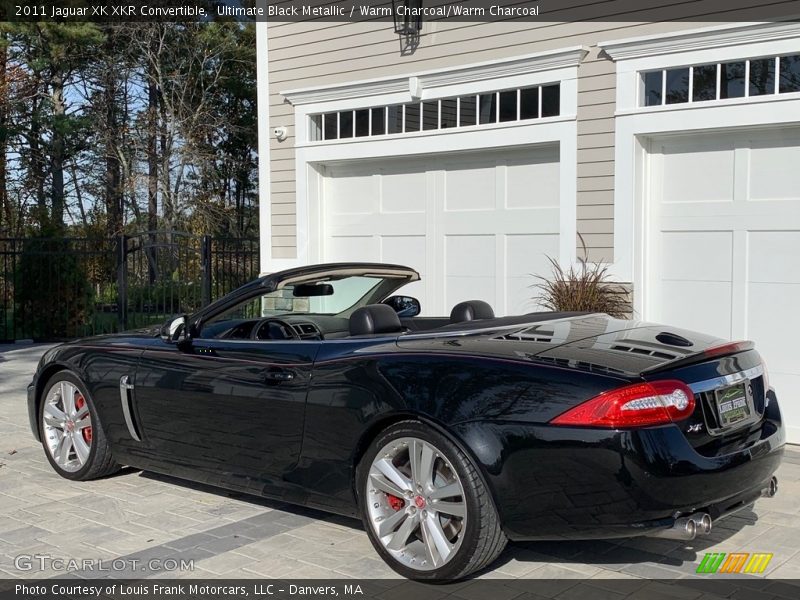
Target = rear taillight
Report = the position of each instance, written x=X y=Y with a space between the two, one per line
x=637 y=405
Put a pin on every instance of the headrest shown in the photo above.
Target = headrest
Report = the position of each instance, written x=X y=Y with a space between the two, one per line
x=471 y=310
x=374 y=318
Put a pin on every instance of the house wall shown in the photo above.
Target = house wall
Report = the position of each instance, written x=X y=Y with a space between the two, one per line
x=311 y=54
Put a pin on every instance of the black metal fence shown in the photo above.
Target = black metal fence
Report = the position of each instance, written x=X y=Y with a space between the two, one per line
x=62 y=288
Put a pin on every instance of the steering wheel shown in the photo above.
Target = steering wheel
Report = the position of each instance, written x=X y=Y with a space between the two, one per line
x=273 y=325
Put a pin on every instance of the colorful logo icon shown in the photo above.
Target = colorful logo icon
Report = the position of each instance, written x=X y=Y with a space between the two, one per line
x=735 y=562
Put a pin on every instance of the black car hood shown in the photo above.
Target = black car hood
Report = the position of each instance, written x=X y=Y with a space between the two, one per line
x=593 y=342
x=121 y=337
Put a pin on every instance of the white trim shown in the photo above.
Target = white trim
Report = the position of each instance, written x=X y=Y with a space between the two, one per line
x=698 y=39
x=566 y=77
x=426 y=82
x=264 y=139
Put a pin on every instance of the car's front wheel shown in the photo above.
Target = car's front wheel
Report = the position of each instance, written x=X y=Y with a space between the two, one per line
x=73 y=439
x=424 y=505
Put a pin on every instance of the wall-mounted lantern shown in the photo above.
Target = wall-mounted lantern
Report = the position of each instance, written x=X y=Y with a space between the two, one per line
x=407 y=16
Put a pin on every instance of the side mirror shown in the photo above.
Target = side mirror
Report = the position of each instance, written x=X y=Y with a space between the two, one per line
x=175 y=330
x=404 y=306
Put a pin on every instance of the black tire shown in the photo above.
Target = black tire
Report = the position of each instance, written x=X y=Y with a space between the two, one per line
x=483 y=539
x=100 y=462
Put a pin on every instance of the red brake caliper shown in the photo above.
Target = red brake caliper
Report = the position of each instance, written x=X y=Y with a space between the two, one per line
x=80 y=402
x=395 y=502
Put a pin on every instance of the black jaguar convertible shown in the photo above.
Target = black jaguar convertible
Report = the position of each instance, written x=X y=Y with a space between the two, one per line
x=447 y=436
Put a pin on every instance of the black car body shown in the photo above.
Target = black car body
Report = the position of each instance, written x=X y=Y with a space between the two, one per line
x=291 y=418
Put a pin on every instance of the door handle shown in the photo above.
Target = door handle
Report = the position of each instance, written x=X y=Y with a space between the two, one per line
x=278 y=375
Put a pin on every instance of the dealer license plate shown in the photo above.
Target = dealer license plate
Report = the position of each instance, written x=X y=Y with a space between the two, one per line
x=734 y=404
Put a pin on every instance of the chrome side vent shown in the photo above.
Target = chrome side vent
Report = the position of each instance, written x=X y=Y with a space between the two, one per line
x=125 y=388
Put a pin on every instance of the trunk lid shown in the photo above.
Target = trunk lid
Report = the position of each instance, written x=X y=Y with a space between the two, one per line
x=728 y=379
x=631 y=348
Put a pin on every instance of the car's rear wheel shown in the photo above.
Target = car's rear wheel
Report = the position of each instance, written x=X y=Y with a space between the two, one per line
x=72 y=437
x=424 y=505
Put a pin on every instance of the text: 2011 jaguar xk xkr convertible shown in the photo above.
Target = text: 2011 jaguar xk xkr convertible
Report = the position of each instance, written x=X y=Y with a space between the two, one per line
x=447 y=436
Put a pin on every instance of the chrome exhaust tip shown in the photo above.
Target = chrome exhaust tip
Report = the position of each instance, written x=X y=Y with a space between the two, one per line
x=683 y=529
x=703 y=522
x=771 y=489
x=687 y=528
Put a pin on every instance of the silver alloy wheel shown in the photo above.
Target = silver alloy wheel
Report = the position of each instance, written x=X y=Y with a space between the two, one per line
x=416 y=503
x=67 y=426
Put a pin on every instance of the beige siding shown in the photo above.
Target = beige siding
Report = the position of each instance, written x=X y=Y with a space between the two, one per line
x=309 y=54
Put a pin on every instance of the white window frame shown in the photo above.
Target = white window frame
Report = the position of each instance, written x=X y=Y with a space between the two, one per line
x=560 y=66
x=438 y=102
x=718 y=67
x=635 y=125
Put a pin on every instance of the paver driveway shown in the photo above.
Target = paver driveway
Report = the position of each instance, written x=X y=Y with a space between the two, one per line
x=139 y=517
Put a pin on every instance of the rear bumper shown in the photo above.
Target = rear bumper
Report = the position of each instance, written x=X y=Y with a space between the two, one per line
x=571 y=483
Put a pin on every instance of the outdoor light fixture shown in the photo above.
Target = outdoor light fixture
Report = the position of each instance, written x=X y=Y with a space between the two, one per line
x=407 y=16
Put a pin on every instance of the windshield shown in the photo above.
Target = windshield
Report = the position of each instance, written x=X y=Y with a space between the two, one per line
x=340 y=296
x=293 y=299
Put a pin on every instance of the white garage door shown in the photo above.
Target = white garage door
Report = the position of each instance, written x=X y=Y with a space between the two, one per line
x=476 y=226
x=724 y=245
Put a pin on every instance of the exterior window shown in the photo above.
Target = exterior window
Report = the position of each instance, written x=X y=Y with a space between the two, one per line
x=504 y=106
x=362 y=123
x=396 y=119
x=315 y=134
x=529 y=103
x=789 y=80
x=449 y=113
x=762 y=77
x=732 y=80
x=508 y=106
x=653 y=85
x=551 y=100
x=735 y=79
x=468 y=114
x=677 y=89
x=378 y=121
x=488 y=108
x=412 y=117
x=430 y=115
x=346 y=124
x=704 y=83
x=331 y=126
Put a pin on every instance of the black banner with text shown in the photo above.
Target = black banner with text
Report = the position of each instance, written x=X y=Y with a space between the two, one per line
x=385 y=589
x=392 y=10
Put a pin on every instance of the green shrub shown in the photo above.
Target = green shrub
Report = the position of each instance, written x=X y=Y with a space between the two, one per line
x=52 y=291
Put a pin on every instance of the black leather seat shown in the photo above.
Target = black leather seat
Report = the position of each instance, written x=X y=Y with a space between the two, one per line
x=471 y=310
x=375 y=319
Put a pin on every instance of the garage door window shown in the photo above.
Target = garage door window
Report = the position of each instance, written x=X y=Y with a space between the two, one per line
x=504 y=106
x=721 y=81
x=789 y=79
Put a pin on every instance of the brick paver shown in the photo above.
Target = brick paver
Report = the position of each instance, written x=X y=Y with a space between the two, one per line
x=141 y=517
